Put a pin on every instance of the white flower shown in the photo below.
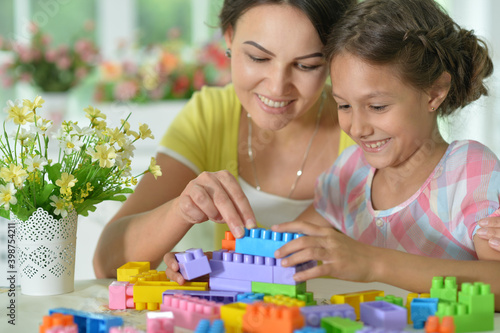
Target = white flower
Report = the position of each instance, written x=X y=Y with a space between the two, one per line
x=42 y=126
x=7 y=195
x=81 y=131
x=22 y=135
x=35 y=163
x=127 y=150
x=59 y=205
x=71 y=144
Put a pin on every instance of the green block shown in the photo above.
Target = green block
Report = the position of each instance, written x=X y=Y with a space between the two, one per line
x=445 y=290
x=279 y=289
x=463 y=320
x=308 y=298
x=391 y=299
x=340 y=325
x=477 y=297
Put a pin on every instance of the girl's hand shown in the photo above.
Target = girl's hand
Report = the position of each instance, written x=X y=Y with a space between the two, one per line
x=342 y=256
x=172 y=270
x=490 y=231
x=217 y=196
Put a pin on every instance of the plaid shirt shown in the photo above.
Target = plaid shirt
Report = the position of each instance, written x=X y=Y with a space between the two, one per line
x=439 y=220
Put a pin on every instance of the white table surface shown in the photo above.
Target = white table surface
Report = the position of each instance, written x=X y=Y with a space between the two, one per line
x=92 y=296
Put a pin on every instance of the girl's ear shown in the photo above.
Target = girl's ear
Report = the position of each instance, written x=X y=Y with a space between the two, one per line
x=439 y=90
x=228 y=36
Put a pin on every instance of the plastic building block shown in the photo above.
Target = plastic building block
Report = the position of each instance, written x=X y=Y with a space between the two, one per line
x=188 y=311
x=263 y=242
x=230 y=285
x=151 y=275
x=477 y=297
x=464 y=321
x=237 y=266
x=421 y=309
x=219 y=296
x=340 y=325
x=284 y=275
x=263 y=317
x=232 y=315
x=409 y=298
x=250 y=297
x=121 y=295
x=160 y=322
x=355 y=299
x=444 y=289
x=313 y=314
x=433 y=325
x=384 y=315
x=89 y=322
x=284 y=300
x=308 y=329
x=149 y=294
x=229 y=242
x=124 y=272
x=58 y=321
x=390 y=299
x=204 y=326
x=279 y=289
x=369 y=329
x=193 y=263
x=307 y=297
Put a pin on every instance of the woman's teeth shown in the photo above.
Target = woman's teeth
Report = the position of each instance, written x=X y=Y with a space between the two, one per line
x=273 y=104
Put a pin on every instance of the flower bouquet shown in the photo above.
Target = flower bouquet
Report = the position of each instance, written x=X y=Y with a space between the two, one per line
x=92 y=164
x=44 y=195
x=50 y=68
x=167 y=72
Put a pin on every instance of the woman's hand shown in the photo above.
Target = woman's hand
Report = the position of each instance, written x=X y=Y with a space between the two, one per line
x=490 y=231
x=217 y=196
x=342 y=256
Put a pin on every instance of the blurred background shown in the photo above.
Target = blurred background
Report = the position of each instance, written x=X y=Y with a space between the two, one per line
x=146 y=57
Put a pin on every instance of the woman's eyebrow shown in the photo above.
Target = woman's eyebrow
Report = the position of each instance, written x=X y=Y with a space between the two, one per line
x=260 y=47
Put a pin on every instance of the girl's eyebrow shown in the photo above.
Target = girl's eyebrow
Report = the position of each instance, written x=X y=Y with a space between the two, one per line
x=260 y=47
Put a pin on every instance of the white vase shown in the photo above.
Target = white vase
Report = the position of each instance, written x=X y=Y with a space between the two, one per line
x=46 y=253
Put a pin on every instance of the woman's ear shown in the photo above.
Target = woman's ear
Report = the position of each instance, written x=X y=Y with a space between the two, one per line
x=439 y=90
x=228 y=36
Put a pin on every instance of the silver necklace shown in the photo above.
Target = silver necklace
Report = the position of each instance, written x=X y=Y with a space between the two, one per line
x=300 y=171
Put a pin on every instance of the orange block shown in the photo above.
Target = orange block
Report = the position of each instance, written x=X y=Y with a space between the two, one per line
x=263 y=317
x=229 y=243
x=56 y=319
x=447 y=325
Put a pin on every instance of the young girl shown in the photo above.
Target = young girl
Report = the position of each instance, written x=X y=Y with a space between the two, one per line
x=406 y=203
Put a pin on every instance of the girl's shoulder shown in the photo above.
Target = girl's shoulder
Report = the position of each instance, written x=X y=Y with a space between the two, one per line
x=471 y=154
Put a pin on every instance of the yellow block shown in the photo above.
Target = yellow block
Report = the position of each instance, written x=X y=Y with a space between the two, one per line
x=148 y=294
x=131 y=268
x=354 y=299
x=284 y=300
x=151 y=275
x=232 y=316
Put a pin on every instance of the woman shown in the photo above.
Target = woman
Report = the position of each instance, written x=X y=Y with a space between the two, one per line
x=271 y=132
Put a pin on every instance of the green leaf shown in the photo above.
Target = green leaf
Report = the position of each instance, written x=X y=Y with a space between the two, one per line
x=5 y=213
x=53 y=171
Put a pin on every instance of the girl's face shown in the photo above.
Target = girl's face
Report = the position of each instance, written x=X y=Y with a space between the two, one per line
x=390 y=120
x=278 y=70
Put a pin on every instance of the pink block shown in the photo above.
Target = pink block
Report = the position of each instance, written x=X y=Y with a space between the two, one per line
x=188 y=311
x=160 y=322
x=121 y=295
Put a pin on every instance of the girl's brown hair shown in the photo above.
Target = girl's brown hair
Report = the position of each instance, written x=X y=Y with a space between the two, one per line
x=421 y=40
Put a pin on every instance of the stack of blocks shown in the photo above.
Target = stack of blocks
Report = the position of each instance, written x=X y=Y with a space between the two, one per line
x=250 y=291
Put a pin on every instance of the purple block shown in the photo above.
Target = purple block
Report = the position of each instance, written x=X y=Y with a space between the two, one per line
x=230 y=285
x=218 y=296
x=383 y=314
x=313 y=314
x=284 y=275
x=193 y=263
x=237 y=266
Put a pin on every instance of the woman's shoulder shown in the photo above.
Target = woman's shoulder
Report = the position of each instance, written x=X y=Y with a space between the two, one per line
x=217 y=95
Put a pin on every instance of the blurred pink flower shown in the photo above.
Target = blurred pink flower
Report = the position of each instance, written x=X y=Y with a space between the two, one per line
x=125 y=91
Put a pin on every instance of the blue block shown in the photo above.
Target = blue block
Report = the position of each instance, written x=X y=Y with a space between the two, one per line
x=204 y=326
x=250 y=297
x=421 y=309
x=263 y=242
x=89 y=322
x=308 y=329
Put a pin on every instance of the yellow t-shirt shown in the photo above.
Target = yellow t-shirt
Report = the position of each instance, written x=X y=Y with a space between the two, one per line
x=204 y=135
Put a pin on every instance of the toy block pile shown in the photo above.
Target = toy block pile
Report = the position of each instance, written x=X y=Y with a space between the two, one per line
x=249 y=291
